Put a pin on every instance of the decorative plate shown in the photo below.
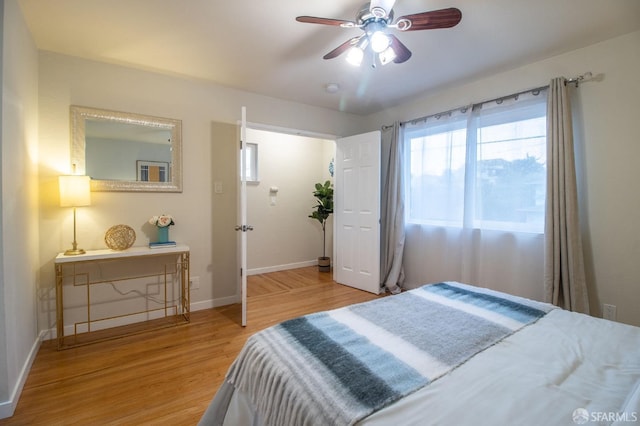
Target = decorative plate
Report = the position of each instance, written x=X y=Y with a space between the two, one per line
x=120 y=237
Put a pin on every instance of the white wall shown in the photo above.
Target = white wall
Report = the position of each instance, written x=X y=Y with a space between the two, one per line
x=607 y=111
x=19 y=235
x=204 y=220
x=284 y=236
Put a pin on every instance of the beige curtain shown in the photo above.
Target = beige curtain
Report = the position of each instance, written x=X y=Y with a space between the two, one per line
x=392 y=233
x=564 y=281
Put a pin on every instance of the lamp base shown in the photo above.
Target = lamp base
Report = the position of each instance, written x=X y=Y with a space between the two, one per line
x=74 y=252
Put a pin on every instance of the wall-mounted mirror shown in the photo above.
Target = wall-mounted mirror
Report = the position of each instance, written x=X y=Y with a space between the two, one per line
x=125 y=151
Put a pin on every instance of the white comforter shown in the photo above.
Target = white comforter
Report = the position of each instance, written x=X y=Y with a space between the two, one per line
x=565 y=369
x=541 y=375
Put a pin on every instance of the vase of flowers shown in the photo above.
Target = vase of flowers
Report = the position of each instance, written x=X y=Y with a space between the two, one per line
x=162 y=223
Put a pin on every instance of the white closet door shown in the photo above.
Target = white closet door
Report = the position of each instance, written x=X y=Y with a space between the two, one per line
x=357 y=212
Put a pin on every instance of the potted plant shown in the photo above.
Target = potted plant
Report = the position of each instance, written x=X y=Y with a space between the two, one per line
x=321 y=212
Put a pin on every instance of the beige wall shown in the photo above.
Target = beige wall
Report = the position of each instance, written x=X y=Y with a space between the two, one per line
x=204 y=220
x=19 y=206
x=607 y=148
x=284 y=236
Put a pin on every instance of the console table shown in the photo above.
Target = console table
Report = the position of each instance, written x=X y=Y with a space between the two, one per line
x=165 y=269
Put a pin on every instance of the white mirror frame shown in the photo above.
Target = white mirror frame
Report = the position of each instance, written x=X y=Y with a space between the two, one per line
x=80 y=114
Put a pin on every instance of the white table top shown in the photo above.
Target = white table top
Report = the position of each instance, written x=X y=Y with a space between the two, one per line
x=114 y=254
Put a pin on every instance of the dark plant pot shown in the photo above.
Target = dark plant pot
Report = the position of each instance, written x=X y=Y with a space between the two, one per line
x=324 y=264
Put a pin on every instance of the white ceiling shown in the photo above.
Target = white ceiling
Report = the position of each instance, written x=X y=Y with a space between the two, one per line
x=259 y=47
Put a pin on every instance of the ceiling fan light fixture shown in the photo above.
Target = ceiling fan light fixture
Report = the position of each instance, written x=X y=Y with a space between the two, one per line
x=386 y=56
x=379 y=41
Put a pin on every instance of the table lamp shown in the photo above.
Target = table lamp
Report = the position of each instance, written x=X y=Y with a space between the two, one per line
x=75 y=191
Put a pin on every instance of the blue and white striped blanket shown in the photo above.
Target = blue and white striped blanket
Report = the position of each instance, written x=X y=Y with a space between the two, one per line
x=337 y=367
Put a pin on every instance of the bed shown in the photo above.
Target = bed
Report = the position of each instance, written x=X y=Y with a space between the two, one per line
x=444 y=353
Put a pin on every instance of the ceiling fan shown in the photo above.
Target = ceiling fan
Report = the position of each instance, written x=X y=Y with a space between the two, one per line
x=376 y=19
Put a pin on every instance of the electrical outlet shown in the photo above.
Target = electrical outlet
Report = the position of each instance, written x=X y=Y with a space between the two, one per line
x=609 y=312
x=194 y=283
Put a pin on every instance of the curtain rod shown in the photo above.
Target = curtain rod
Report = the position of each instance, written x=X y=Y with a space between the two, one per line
x=579 y=79
x=574 y=80
x=535 y=91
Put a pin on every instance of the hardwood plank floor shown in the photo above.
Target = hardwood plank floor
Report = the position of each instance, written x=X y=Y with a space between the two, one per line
x=166 y=376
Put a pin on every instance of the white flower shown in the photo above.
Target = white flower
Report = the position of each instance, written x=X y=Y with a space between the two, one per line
x=162 y=221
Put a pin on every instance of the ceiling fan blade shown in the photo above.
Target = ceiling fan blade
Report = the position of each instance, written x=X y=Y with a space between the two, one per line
x=402 y=52
x=325 y=21
x=385 y=5
x=342 y=48
x=443 y=18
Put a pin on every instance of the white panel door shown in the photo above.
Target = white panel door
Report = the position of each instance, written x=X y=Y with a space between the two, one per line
x=357 y=212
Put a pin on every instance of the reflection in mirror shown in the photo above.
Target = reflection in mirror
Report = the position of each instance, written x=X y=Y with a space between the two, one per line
x=126 y=151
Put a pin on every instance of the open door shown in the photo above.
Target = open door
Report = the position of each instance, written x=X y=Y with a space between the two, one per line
x=243 y=228
x=357 y=212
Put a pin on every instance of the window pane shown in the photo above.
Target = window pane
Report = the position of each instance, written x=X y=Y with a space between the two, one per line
x=251 y=162
x=248 y=164
x=511 y=176
x=437 y=178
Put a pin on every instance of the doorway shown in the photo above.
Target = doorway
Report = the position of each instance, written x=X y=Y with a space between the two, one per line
x=280 y=199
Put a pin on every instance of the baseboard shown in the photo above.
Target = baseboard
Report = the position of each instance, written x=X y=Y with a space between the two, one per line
x=208 y=304
x=7 y=408
x=276 y=268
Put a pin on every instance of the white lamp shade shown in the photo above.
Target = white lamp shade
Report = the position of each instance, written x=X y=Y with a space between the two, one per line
x=355 y=56
x=379 y=41
x=387 y=56
x=75 y=190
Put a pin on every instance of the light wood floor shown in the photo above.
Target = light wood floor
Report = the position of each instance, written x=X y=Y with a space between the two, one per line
x=166 y=376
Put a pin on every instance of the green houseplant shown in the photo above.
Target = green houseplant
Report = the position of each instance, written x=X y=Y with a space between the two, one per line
x=321 y=212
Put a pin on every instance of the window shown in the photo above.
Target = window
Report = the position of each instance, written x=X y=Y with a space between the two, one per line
x=484 y=167
x=251 y=162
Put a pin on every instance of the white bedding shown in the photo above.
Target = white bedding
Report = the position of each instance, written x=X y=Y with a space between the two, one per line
x=564 y=365
x=538 y=376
